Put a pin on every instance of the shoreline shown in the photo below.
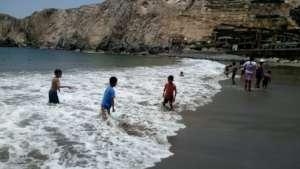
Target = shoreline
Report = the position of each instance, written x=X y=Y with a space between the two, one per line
x=240 y=130
x=224 y=57
x=220 y=56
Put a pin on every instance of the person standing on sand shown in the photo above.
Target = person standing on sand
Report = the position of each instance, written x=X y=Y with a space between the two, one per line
x=242 y=69
x=169 y=92
x=108 y=100
x=55 y=86
x=259 y=73
x=267 y=79
x=250 y=68
x=227 y=70
x=234 y=71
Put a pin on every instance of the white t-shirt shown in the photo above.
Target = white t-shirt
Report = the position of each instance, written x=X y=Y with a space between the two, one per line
x=250 y=67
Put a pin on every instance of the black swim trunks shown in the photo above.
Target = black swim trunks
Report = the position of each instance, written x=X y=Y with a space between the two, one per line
x=168 y=99
x=53 y=98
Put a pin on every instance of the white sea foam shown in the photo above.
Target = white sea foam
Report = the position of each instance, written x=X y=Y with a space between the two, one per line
x=73 y=136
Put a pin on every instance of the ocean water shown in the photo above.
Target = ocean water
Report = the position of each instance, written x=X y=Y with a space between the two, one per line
x=72 y=134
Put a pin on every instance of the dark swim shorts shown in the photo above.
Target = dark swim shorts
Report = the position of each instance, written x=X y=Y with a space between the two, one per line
x=53 y=98
x=168 y=99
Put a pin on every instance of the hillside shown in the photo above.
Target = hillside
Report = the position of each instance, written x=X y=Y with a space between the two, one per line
x=140 y=25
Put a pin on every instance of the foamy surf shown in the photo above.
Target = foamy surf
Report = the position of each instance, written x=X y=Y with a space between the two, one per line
x=72 y=135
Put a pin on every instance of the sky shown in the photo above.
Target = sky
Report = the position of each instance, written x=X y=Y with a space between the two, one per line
x=22 y=8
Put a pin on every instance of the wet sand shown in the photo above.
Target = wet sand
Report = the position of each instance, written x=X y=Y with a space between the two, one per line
x=240 y=130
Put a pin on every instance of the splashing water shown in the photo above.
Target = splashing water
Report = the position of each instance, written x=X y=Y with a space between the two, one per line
x=72 y=134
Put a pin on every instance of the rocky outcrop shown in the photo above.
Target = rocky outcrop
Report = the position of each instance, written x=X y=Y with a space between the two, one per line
x=138 y=25
x=295 y=14
x=11 y=32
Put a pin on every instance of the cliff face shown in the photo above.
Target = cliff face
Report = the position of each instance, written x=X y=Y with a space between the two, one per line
x=137 y=25
x=295 y=14
x=11 y=32
x=83 y=28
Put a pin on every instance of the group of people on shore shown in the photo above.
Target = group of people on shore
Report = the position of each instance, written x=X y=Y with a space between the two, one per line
x=108 y=101
x=249 y=70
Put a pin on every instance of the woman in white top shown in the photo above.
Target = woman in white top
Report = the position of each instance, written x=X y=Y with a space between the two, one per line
x=250 y=68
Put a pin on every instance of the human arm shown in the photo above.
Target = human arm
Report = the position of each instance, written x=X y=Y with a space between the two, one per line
x=112 y=96
x=113 y=104
x=69 y=87
x=163 y=95
x=175 y=93
x=59 y=86
x=55 y=84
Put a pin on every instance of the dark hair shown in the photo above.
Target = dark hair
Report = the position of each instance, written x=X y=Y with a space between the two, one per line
x=171 y=78
x=113 y=81
x=251 y=58
x=57 y=72
x=233 y=63
x=269 y=72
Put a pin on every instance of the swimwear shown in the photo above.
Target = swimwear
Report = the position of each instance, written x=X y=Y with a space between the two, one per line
x=168 y=99
x=53 y=98
x=109 y=94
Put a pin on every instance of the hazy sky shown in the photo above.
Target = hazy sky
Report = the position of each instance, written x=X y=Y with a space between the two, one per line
x=21 y=8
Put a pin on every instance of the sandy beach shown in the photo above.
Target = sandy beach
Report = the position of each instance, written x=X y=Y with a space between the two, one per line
x=239 y=130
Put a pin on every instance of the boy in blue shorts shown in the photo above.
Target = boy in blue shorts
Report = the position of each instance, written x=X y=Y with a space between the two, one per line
x=108 y=101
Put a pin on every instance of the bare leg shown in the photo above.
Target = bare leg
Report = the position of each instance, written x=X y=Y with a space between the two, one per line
x=103 y=114
x=171 y=104
x=258 y=80
x=164 y=102
x=233 y=79
x=249 y=85
x=246 y=85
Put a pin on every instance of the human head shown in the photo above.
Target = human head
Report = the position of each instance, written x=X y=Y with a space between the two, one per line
x=251 y=58
x=113 y=81
x=57 y=73
x=181 y=73
x=269 y=72
x=171 y=78
x=233 y=63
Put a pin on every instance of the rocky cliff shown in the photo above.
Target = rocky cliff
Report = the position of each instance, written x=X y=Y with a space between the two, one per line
x=139 y=25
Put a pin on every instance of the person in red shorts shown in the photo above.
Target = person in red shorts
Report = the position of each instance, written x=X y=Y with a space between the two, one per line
x=170 y=92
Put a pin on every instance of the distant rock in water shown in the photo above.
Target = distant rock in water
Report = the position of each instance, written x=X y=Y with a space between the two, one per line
x=140 y=25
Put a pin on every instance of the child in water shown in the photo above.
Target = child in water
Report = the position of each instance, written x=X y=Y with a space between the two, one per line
x=55 y=86
x=169 y=91
x=227 y=70
x=267 y=79
x=108 y=101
